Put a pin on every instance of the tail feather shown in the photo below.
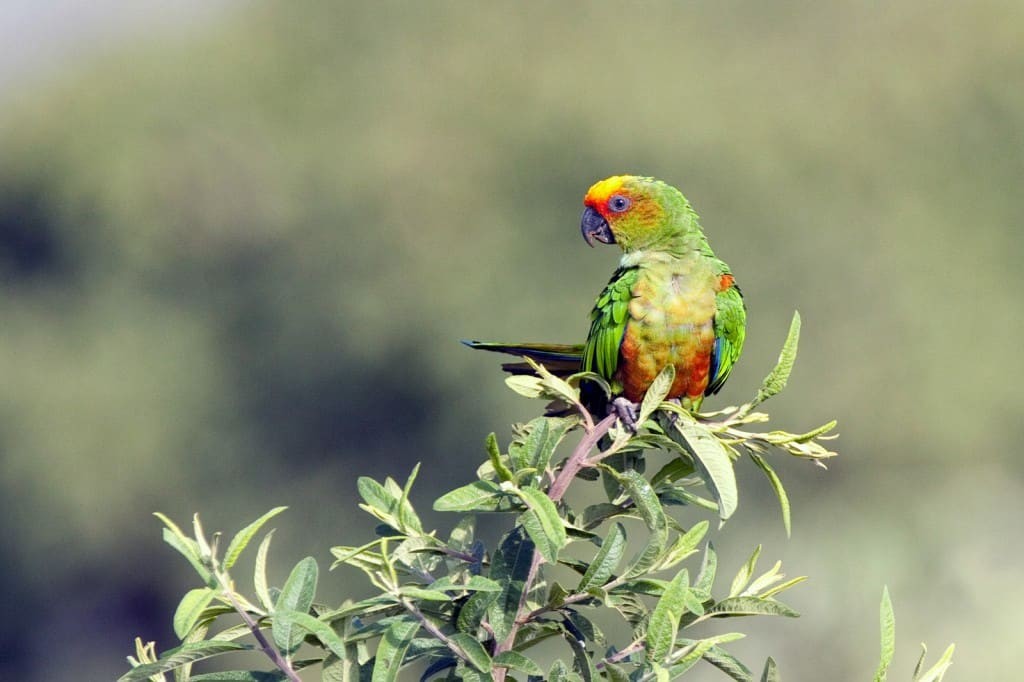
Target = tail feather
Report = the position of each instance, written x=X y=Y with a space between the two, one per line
x=569 y=356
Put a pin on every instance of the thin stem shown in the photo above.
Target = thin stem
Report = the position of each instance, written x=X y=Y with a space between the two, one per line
x=272 y=652
x=577 y=461
x=429 y=626
x=624 y=654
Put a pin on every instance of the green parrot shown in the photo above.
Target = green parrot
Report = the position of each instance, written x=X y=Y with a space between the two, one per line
x=670 y=301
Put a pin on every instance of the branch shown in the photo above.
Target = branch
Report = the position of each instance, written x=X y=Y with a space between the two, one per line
x=576 y=462
x=272 y=652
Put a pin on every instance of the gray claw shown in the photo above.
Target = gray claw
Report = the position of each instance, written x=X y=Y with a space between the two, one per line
x=626 y=410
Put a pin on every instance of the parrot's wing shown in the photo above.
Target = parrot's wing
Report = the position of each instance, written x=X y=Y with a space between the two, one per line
x=730 y=330
x=608 y=324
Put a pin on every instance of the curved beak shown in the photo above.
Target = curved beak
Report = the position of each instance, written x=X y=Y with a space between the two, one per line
x=594 y=227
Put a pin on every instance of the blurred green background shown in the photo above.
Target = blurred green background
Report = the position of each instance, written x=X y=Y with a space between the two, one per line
x=236 y=260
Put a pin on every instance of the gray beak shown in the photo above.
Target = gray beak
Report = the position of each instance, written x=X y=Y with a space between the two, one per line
x=594 y=227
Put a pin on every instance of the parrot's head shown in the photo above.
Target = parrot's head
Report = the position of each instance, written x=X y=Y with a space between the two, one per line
x=635 y=213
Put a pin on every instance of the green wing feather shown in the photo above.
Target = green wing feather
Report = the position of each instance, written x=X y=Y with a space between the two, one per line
x=608 y=324
x=730 y=331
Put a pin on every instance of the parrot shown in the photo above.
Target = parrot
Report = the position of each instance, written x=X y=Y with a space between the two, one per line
x=670 y=301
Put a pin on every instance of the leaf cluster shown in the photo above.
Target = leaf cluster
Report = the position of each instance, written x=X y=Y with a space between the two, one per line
x=452 y=608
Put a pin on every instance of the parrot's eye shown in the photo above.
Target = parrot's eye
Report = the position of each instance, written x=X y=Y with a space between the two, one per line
x=618 y=203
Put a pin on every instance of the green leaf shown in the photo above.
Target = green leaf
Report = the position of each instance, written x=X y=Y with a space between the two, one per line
x=728 y=664
x=376 y=495
x=516 y=661
x=296 y=595
x=937 y=671
x=887 y=622
x=776 y=482
x=777 y=378
x=745 y=573
x=771 y=672
x=678 y=468
x=187 y=547
x=582 y=664
x=555 y=387
x=408 y=521
x=190 y=608
x=708 y=569
x=391 y=652
x=606 y=560
x=239 y=676
x=259 y=577
x=298 y=620
x=414 y=592
x=657 y=393
x=712 y=461
x=175 y=658
x=477 y=496
x=472 y=612
x=494 y=454
x=476 y=583
x=644 y=497
x=244 y=536
x=542 y=523
x=615 y=673
x=693 y=650
x=524 y=385
x=509 y=567
x=474 y=651
x=684 y=546
x=751 y=606
x=664 y=625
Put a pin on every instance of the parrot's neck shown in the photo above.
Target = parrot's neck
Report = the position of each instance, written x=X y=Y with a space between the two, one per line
x=685 y=246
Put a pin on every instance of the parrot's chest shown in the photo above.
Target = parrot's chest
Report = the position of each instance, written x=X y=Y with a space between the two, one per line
x=671 y=321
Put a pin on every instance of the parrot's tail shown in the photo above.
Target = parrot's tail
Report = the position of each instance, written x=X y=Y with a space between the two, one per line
x=559 y=358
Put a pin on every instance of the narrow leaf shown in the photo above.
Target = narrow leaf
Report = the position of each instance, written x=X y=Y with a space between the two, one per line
x=606 y=560
x=324 y=632
x=745 y=573
x=494 y=454
x=771 y=671
x=474 y=651
x=644 y=497
x=751 y=606
x=510 y=567
x=542 y=523
x=391 y=652
x=712 y=461
x=244 y=536
x=728 y=664
x=887 y=623
x=175 y=658
x=780 y=492
x=777 y=378
x=664 y=625
x=477 y=496
x=296 y=595
x=657 y=393
x=239 y=676
x=516 y=661
x=937 y=671
x=259 y=577
x=526 y=386
x=376 y=495
x=190 y=608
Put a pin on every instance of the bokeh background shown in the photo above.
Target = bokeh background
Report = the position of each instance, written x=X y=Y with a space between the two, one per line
x=239 y=243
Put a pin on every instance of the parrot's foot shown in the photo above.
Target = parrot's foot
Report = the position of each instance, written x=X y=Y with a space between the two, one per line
x=626 y=410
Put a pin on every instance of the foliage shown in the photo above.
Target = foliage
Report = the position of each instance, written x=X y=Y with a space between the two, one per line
x=452 y=608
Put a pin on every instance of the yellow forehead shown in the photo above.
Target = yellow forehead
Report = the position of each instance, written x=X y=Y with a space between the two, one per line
x=600 y=191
